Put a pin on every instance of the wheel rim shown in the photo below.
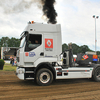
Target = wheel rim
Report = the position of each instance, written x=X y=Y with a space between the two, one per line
x=45 y=77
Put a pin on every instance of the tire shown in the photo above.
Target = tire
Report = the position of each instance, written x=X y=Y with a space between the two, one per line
x=96 y=75
x=44 y=77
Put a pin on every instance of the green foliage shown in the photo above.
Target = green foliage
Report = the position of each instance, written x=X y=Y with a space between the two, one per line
x=84 y=49
x=98 y=52
x=9 y=67
x=64 y=47
x=7 y=42
x=13 y=42
x=2 y=62
x=4 y=41
x=77 y=49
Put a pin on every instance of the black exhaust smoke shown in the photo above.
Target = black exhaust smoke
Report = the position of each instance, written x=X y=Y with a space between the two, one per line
x=49 y=11
x=17 y=7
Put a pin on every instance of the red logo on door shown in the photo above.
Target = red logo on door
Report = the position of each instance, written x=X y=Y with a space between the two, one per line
x=48 y=43
x=26 y=53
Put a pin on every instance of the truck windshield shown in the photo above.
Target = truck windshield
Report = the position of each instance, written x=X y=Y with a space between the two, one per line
x=22 y=42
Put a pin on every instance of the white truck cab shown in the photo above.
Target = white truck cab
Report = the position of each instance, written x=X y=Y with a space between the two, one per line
x=39 y=54
x=47 y=48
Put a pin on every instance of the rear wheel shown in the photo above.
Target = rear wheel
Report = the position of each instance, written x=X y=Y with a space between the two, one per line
x=96 y=75
x=44 y=77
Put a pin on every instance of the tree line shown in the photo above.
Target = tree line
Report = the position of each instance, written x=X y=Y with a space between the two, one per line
x=9 y=42
x=14 y=42
x=78 y=49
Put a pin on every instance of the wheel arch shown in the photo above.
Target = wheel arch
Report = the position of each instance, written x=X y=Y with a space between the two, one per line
x=46 y=65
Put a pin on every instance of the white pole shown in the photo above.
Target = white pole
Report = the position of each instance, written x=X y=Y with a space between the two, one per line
x=95 y=35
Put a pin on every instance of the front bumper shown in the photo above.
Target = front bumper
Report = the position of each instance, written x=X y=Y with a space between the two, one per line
x=24 y=74
x=20 y=73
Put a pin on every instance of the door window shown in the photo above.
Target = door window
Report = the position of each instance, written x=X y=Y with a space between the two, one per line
x=33 y=42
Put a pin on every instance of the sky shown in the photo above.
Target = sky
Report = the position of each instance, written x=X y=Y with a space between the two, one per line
x=75 y=17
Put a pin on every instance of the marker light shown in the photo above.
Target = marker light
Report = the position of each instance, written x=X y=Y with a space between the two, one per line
x=32 y=22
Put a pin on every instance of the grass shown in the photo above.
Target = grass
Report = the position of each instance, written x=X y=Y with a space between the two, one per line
x=9 y=67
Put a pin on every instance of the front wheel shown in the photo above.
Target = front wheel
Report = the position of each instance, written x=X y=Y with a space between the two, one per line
x=44 y=77
x=96 y=75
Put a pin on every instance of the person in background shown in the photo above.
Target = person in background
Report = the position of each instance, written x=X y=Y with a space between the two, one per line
x=15 y=62
x=12 y=60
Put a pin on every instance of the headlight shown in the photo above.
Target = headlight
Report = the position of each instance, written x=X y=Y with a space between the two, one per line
x=21 y=71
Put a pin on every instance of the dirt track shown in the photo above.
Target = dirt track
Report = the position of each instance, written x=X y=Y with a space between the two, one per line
x=11 y=88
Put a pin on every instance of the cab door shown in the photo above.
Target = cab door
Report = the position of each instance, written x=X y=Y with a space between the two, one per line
x=33 y=48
